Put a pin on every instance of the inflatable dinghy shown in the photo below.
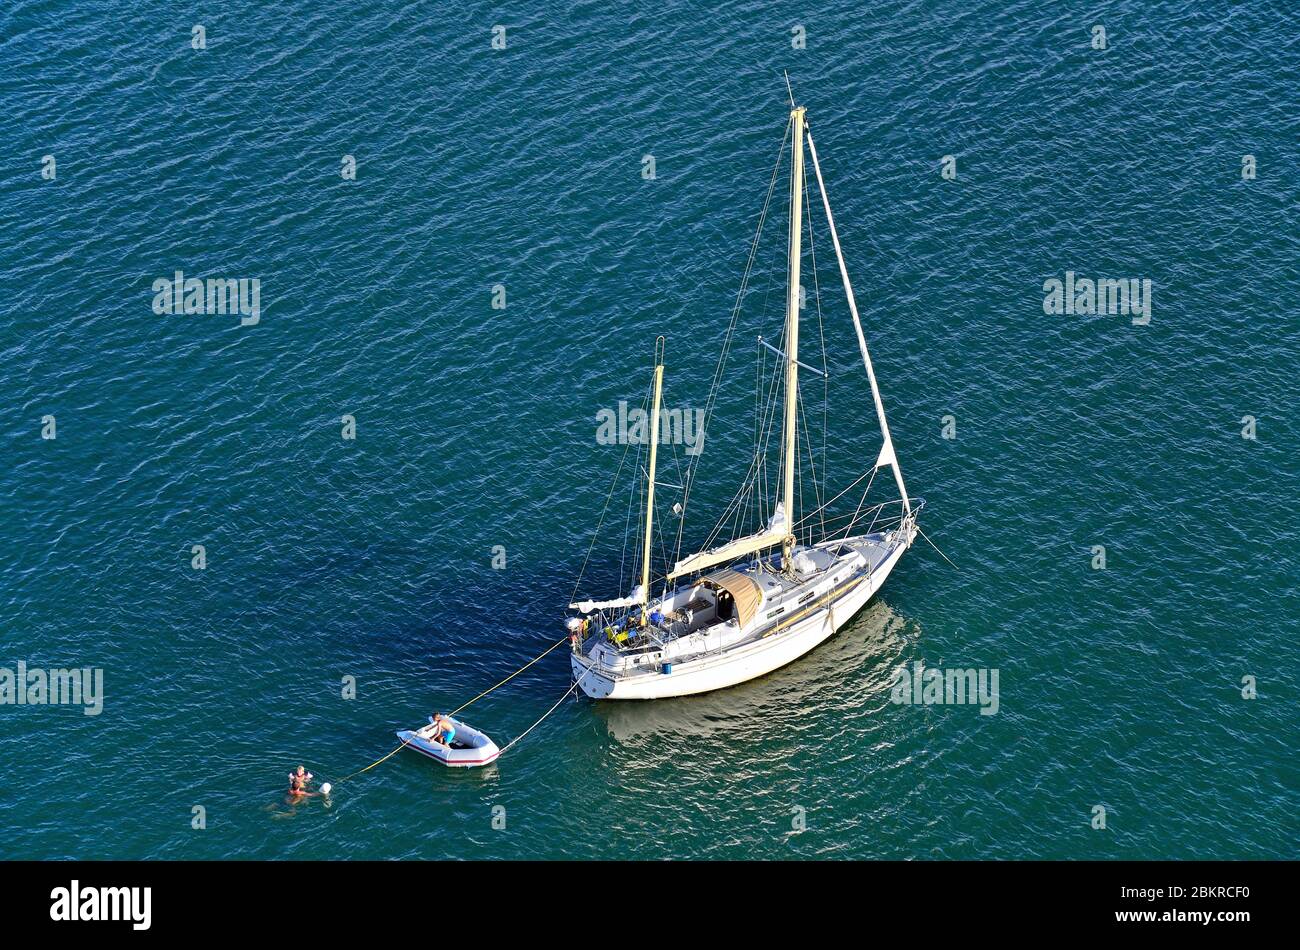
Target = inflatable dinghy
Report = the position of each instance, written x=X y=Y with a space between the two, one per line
x=469 y=747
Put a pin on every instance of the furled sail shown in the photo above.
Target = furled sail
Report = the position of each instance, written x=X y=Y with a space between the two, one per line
x=777 y=529
x=886 y=456
x=587 y=606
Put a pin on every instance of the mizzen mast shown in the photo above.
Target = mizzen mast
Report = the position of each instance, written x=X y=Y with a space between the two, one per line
x=644 y=589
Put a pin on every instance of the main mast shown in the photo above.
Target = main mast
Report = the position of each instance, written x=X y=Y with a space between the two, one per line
x=780 y=528
x=791 y=433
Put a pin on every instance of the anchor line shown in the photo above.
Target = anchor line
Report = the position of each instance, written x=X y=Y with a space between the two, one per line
x=562 y=698
x=936 y=547
x=562 y=639
x=374 y=763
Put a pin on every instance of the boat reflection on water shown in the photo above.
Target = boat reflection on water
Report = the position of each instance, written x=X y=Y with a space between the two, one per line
x=851 y=672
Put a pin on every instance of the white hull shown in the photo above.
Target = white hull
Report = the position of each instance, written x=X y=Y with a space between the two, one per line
x=746 y=661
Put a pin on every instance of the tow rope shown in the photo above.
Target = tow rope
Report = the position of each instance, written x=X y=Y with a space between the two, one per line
x=485 y=692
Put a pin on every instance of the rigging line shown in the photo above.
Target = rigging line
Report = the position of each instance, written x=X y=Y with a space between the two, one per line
x=753 y=485
x=767 y=423
x=812 y=460
x=869 y=471
x=627 y=528
x=750 y=475
x=879 y=505
x=735 y=314
x=677 y=456
x=596 y=534
x=681 y=478
x=761 y=485
x=768 y=436
x=762 y=506
x=634 y=488
x=406 y=742
x=935 y=546
x=760 y=357
x=876 y=517
x=711 y=399
x=772 y=410
x=717 y=528
x=862 y=501
x=663 y=548
x=735 y=508
x=778 y=381
x=714 y=388
x=737 y=501
x=760 y=361
x=677 y=461
x=821 y=332
x=874 y=510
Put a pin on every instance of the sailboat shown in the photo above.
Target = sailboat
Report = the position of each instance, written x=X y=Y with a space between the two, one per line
x=744 y=608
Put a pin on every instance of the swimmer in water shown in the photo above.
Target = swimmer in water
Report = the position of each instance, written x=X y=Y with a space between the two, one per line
x=298 y=782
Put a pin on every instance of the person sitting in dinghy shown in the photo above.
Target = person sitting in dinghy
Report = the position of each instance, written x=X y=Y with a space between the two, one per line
x=443 y=730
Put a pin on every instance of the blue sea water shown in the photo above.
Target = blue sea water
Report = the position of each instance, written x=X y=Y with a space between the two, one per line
x=475 y=427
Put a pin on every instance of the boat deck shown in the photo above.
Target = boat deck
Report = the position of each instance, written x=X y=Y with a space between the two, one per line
x=819 y=570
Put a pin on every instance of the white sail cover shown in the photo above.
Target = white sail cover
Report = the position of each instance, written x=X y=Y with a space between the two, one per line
x=776 y=531
x=587 y=606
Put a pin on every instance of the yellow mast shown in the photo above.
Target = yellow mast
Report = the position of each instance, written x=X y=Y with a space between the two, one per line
x=790 y=434
x=650 y=489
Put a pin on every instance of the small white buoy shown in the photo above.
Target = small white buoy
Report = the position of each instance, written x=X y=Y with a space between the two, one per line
x=325 y=789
